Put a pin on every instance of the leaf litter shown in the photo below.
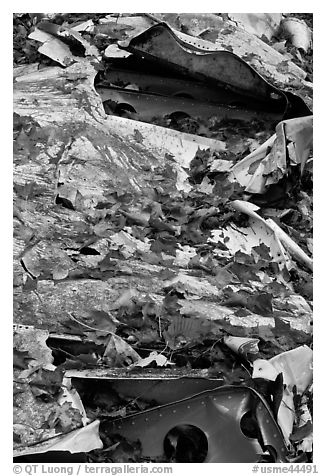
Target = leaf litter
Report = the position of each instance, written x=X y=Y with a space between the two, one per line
x=218 y=254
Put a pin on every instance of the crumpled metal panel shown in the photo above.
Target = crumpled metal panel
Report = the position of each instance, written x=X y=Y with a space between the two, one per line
x=218 y=414
x=149 y=106
x=159 y=385
x=290 y=146
x=163 y=391
x=224 y=68
x=176 y=87
x=220 y=68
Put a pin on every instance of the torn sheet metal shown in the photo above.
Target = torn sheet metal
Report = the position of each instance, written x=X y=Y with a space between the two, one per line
x=58 y=43
x=158 y=385
x=78 y=441
x=297 y=32
x=296 y=368
x=220 y=414
x=295 y=364
x=147 y=107
x=126 y=23
x=159 y=43
x=296 y=252
x=290 y=146
x=130 y=76
x=181 y=145
x=224 y=35
x=33 y=415
x=161 y=141
x=304 y=439
x=113 y=51
x=242 y=345
x=53 y=48
x=167 y=86
x=33 y=341
x=280 y=237
x=70 y=36
x=154 y=358
x=70 y=394
x=244 y=239
x=259 y=24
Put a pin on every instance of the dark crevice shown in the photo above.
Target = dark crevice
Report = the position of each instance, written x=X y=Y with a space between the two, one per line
x=64 y=202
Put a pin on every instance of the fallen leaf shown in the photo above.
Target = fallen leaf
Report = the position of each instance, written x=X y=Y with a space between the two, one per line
x=127 y=300
x=159 y=359
x=118 y=353
x=21 y=359
x=301 y=432
x=48 y=380
x=138 y=136
x=186 y=330
x=102 y=321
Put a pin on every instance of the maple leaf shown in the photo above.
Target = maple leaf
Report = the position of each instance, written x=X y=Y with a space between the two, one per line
x=25 y=191
x=81 y=361
x=263 y=251
x=160 y=225
x=260 y=303
x=127 y=300
x=21 y=359
x=138 y=136
x=185 y=330
x=16 y=438
x=119 y=353
x=238 y=298
x=107 y=264
x=64 y=419
x=136 y=218
x=301 y=432
x=205 y=186
x=47 y=380
x=30 y=284
x=283 y=66
x=243 y=272
x=72 y=327
x=166 y=274
x=102 y=321
x=222 y=278
x=166 y=245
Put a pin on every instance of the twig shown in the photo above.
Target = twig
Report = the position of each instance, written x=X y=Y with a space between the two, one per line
x=89 y=327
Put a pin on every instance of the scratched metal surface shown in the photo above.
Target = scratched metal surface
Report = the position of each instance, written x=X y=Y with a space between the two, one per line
x=222 y=67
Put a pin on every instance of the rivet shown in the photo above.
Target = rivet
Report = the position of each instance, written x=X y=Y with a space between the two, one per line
x=188 y=406
x=275 y=435
x=229 y=397
x=267 y=421
x=146 y=419
x=160 y=415
x=119 y=427
x=133 y=423
x=214 y=398
x=174 y=411
x=203 y=403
